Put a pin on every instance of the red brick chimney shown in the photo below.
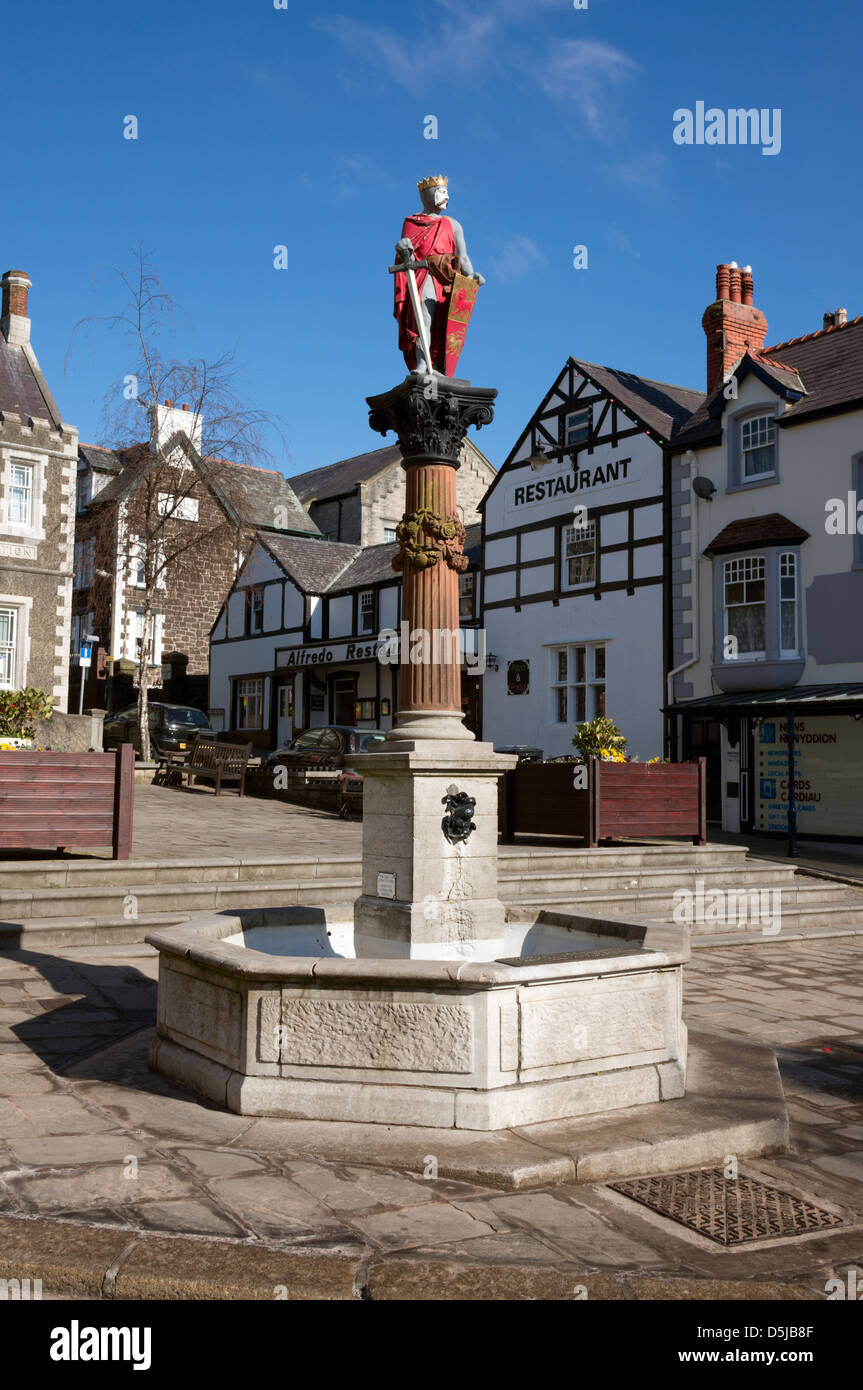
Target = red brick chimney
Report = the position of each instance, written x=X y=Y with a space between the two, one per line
x=731 y=323
x=14 y=323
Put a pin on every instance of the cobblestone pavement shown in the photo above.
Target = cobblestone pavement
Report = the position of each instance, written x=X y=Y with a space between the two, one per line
x=89 y=1135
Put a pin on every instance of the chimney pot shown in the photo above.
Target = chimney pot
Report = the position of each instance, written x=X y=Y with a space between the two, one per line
x=185 y=407
x=13 y=313
x=829 y=320
x=841 y=316
x=732 y=325
x=722 y=281
x=169 y=403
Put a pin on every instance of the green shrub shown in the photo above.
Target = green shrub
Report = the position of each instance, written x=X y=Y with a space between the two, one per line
x=21 y=709
x=598 y=736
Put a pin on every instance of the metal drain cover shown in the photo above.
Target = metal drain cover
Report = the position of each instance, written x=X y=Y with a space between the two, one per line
x=727 y=1210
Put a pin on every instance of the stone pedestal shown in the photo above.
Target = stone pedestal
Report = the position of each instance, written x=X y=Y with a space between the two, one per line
x=429 y=878
x=424 y=896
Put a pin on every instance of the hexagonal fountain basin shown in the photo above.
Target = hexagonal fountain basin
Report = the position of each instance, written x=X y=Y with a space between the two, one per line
x=269 y=1012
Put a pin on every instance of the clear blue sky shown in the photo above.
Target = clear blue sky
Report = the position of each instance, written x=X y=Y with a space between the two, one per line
x=304 y=127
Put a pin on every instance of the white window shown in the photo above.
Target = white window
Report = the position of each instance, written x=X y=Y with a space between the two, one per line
x=788 y=604
x=389 y=534
x=254 y=610
x=367 y=610
x=745 y=606
x=8 y=647
x=577 y=682
x=467 y=595
x=579 y=556
x=758 y=446
x=138 y=562
x=178 y=508
x=578 y=427
x=137 y=637
x=250 y=704
x=20 y=508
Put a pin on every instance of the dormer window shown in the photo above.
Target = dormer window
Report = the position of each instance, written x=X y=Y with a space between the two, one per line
x=758 y=447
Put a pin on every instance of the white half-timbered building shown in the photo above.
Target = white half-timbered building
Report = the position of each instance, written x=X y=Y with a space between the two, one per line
x=574 y=554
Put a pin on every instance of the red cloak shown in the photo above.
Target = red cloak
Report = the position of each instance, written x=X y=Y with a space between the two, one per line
x=431 y=236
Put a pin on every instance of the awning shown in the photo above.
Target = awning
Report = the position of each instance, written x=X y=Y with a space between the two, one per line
x=846 y=698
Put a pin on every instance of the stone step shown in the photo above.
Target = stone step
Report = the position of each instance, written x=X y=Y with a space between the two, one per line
x=68 y=873
x=624 y=882
x=659 y=904
x=99 y=900
x=36 y=933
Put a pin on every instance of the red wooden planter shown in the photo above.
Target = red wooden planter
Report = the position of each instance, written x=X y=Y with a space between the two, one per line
x=621 y=801
x=51 y=800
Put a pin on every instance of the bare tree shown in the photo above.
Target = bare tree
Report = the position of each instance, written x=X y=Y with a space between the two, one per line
x=138 y=523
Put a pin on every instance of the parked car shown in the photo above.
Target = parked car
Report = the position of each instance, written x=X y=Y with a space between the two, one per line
x=173 y=728
x=325 y=749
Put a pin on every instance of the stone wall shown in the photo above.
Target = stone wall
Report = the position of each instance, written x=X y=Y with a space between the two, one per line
x=71 y=733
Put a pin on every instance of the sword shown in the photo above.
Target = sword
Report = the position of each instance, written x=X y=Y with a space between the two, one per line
x=408 y=267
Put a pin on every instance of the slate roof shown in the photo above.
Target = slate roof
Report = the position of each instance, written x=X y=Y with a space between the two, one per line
x=663 y=408
x=314 y=565
x=337 y=479
x=320 y=567
x=746 y=531
x=825 y=368
x=251 y=495
x=23 y=391
x=103 y=460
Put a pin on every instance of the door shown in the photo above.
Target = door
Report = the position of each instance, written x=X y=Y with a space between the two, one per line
x=284 y=714
x=344 y=695
x=703 y=739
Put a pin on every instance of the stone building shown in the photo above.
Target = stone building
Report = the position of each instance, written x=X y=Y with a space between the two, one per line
x=221 y=505
x=767 y=572
x=38 y=454
x=361 y=500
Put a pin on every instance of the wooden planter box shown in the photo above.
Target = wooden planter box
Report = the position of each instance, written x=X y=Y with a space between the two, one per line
x=52 y=800
x=621 y=800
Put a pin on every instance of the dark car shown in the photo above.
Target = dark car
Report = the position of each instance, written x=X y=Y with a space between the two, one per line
x=173 y=728
x=325 y=749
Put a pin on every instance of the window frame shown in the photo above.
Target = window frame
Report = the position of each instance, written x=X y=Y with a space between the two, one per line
x=594 y=687
x=589 y=531
x=756 y=557
x=256 y=695
x=11 y=648
x=255 y=609
x=585 y=410
x=33 y=528
x=370 y=610
x=175 y=506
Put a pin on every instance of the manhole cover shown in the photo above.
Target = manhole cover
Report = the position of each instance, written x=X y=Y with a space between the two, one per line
x=727 y=1210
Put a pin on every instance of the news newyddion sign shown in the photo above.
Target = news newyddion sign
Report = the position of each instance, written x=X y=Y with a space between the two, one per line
x=827 y=756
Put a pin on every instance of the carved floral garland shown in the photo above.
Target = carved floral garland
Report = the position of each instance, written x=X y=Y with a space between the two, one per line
x=426 y=537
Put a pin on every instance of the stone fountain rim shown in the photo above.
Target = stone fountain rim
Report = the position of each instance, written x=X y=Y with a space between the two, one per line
x=201 y=941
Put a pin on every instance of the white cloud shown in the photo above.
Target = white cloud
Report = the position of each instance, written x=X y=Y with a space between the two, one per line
x=582 y=71
x=515 y=258
x=645 y=172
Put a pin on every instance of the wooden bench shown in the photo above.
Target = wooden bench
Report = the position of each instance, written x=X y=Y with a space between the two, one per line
x=218 y=762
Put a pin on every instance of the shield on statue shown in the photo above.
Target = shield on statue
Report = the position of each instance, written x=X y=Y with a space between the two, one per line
x=459 y=309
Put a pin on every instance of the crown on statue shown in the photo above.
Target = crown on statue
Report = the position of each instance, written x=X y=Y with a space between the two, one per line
x=433 y=181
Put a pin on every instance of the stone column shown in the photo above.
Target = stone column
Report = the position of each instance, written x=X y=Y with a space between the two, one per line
x=431 y=420
x=430 y=796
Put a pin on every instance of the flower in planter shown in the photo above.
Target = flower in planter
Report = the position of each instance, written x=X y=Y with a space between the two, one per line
x=600 y=738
